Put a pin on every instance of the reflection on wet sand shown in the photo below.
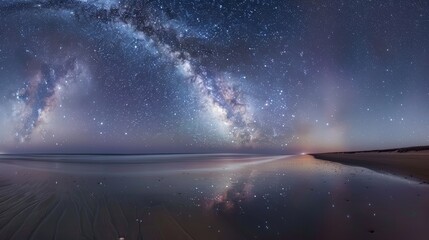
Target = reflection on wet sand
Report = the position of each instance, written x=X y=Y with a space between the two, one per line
x=206 y=197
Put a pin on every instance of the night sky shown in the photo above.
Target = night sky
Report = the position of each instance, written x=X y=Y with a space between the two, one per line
x=93 y=76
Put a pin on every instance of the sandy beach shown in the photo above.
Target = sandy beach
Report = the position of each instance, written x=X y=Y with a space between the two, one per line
x=206 y=197
x=406 y=162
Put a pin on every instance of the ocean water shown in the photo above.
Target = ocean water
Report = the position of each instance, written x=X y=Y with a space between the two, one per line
x=220 y=196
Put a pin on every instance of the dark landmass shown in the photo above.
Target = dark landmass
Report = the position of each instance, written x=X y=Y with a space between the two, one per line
x=409 y=162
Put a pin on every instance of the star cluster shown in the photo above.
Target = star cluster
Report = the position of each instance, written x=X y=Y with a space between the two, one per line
x=204 y=76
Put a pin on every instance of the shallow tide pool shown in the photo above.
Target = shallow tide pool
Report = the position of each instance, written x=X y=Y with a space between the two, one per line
x=205 y=197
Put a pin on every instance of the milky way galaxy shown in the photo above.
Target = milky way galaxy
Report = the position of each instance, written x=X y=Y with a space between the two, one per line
x=218 y=76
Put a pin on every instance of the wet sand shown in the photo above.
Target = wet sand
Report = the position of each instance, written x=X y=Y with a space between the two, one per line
x=205 y=197
x=408 y=164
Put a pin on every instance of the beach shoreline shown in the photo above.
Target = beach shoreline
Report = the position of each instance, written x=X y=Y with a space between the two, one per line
x=410 y=163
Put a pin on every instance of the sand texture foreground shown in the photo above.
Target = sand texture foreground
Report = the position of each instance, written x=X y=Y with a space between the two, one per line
x=205 y=197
